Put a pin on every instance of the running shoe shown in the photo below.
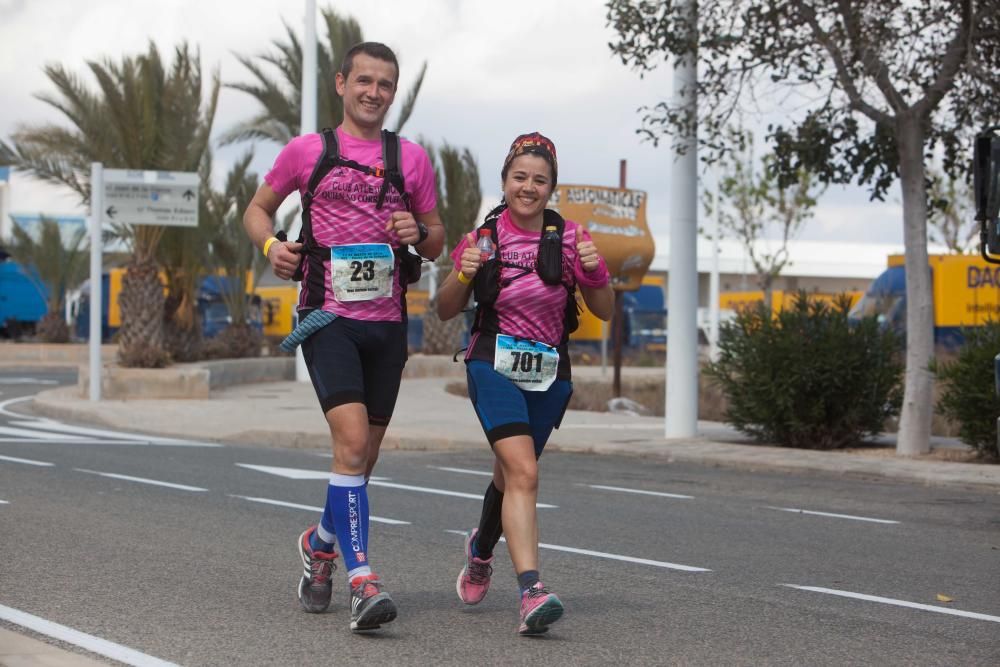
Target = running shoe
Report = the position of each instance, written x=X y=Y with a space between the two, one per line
x=474 y=579
x=315 y=586
x=370 y=605
x=539 y=610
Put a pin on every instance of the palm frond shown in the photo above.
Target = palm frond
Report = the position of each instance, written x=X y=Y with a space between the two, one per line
x=411 y=99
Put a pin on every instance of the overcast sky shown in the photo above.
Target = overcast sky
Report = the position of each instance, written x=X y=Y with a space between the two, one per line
x=495 y=70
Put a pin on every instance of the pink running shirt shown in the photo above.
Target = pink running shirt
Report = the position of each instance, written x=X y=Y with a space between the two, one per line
x=343 y=210
x=527 y=307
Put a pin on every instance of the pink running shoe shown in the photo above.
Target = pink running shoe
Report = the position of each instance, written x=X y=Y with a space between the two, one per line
x=539 y=610
x=474 y=579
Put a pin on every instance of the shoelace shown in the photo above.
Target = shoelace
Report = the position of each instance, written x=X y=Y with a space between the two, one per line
x=362 y=589
x=479 y=572
x=321 y=569
x=537 y=591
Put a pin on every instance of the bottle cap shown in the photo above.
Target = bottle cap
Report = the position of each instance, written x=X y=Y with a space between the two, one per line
x=484 y=232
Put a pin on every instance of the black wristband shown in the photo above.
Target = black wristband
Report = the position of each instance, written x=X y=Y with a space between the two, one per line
x=424 y=233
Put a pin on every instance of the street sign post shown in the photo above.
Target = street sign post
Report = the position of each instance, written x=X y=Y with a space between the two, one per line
x=135 y=197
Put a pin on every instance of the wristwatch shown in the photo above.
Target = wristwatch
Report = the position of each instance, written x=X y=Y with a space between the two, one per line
x=422 y=228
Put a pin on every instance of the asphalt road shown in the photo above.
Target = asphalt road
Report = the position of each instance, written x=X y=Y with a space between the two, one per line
x=184 y=552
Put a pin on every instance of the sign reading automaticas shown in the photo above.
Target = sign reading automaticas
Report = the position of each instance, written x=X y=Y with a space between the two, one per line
x=136 y=197
x=616 y=219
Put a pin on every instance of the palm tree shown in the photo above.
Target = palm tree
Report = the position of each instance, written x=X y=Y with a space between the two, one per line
x=143 y=115
x=459 y=199
x=235 y=257
x=281 y=96
x=56 y=265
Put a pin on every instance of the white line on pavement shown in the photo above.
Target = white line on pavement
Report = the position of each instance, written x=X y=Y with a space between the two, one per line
x=898 y=603
x=442 y=492
x=38 y=435
x=29 y=462
x=12 y=401
x=318 y=510
x=26 y=381
x=50 y=425
x=830 y=514
x=640 y=491
x=142 y=480
x=464 y=471
x=76 y=638
x=295 y=473
x=602 y=554
x=4 y=502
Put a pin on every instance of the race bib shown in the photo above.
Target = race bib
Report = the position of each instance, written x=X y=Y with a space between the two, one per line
x=530 y=365
x=361 y=271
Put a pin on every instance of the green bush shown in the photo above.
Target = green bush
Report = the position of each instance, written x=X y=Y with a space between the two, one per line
x=805 y=377
x=968 y=394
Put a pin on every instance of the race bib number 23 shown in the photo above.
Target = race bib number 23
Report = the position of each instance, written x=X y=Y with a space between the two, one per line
x=361 y=271
x=530 y=365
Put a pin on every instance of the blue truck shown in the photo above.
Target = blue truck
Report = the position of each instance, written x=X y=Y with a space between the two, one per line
x=23 y=300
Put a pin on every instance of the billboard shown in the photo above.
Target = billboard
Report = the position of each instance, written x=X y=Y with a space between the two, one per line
x=616 y=219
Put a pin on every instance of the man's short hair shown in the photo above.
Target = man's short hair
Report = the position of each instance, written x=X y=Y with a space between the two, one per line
x=372 y=49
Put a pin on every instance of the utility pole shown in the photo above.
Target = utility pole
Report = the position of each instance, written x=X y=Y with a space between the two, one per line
x=682 y=295
x=307 y=124
x=617 y=322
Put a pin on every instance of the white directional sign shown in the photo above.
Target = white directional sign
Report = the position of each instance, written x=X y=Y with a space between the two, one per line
x=150 y=197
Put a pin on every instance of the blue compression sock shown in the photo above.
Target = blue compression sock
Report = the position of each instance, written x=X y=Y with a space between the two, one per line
x=348 y=504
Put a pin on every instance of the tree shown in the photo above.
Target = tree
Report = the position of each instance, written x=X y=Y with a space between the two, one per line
x=875 y=86
x=459 y=198
x=143 y=115
x=281 y=97
x=58 y=264
x=235 y=257
x=950 y=213
x=752 y=202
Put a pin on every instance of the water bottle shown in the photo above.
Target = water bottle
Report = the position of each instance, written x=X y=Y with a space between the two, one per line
x=485 y=244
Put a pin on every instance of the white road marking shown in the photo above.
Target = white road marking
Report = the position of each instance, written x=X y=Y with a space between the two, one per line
x=830 y=514
x=12 y=401
x=76 y=638
x=897 y=603
x=464 y=471
x=26 y=381
x=442 y=492
x=631 y=427
x=610 y=556
x=29 y=462
x=73 y=441
x=318 y=510
x=639 y=491
x=47 y=425
x=4 y=502
x=37 y=435
x=142 y=480
x=294 y=473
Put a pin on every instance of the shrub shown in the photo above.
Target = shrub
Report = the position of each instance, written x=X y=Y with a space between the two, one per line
x=805 y=376
x=968 y=394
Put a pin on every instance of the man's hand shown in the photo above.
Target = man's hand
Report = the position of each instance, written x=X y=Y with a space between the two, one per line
x=284 y=257
x=404 y=226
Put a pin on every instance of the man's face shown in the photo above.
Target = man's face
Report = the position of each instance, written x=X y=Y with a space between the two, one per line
x=368 y=90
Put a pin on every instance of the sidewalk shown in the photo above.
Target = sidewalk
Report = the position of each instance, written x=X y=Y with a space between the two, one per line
x=427 y=417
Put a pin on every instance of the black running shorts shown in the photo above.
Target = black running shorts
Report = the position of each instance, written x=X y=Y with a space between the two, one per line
x=353 y=361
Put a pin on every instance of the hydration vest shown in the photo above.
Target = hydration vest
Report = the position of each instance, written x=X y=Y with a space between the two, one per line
x=489 y=281
x=391 y=175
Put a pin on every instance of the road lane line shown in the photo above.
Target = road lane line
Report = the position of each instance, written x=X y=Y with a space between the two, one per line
x=609 y=556
x=93 y=644
x=829 y=514
x=142 y=480
x=29 y=462
x=37 y=435
x=318 y=510
x=464 y=471
x=443 y=492
x=4 y=502
x=46 y=425
x=897 y=603
x=295 y=473
x=12 y=401
x=640 y=491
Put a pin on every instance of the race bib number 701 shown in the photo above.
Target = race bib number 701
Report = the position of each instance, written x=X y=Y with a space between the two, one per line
x=530 y=365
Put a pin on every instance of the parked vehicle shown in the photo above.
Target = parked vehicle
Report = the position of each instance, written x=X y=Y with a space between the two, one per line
x=965 y=291
x=23 y=300
x=645 y=320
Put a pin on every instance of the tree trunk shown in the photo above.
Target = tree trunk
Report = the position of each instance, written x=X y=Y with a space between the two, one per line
x=913 y=437
x=140 y=339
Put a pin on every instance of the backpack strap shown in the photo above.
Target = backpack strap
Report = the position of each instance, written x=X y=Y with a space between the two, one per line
x=327 y=161
x=392 y=174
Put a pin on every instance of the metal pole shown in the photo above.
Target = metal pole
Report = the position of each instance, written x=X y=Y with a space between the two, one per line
x=682 y=296
x=307 y=124
x=713 y=283
x=96 y=296
x=617 y=322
